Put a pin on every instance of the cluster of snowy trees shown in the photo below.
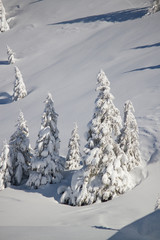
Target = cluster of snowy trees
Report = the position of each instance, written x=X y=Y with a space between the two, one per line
x=103 y=172
x=111 y=152
x=3 y=22
x=19 y=163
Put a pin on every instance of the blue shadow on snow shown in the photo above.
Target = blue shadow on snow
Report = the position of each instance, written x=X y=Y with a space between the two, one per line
x=4 y=63
x=119 y=16
x=146 y=228
x=5 y=98
x=148 y=46
x=144 y=68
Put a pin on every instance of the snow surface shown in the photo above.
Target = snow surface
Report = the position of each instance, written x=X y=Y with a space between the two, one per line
x=60 y=46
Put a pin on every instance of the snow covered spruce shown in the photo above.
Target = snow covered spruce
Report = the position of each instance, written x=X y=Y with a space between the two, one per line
x=157 y=205
x=3 y=22
x=6 y=170
x=128 y=139
x=155 y=6
x=15 y=157
x=11 y=58
x=47 y=166
x=19 y=90
x=105 y=173
x=73 y=157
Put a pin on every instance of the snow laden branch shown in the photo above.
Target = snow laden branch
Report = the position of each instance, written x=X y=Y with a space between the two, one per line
x=105 y=173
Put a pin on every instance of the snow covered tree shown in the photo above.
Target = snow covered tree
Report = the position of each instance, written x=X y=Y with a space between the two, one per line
x=128 y=139
x=104 y=175
x=73 y=157
x=20 y=151
x=3 y=22
x=155 y=6
x=157 y=205
x=10 y=53
x=19 y=90
x=6 y=169
x=46 y=166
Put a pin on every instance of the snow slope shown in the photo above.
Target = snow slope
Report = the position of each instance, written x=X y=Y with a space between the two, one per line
x=60 y=46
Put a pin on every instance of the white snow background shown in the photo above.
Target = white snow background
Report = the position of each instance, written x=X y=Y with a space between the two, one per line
x=60 y=47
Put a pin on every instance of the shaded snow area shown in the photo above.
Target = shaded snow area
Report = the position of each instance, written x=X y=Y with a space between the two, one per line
x=59 y=46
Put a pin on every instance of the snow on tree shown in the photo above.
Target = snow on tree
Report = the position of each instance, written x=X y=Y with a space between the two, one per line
x=19 y=90
x=105 y=112
x=10 y=53
x=157 y=205
x=47 y=166
x=128 y=138
x=155 y=6
x=73 y=157
x=104 y=175
x=20 y=151
x=6 y=169
x=3 y=22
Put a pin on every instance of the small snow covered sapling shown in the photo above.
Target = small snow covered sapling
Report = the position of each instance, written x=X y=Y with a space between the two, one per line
x=20 y=151
x=73 y=156
x=46 y=165
x=6 y=168
x=19 y=90
x=11 y=58
x=3 y=22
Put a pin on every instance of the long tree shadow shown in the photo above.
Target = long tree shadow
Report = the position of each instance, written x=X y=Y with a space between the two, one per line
x=148 y=46
x=5 y=98
x=36 y=1
x=146 y=228
x=105 y=228
x=144 y=68
x=4 y=63
x=119 y=16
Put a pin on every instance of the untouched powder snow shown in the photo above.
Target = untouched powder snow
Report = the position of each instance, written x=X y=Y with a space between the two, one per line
x=59 y=47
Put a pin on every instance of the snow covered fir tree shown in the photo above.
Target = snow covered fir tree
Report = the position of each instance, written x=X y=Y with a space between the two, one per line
x=155 y=6
x=3 y=22
x=47 y=166
x=11 y=58
x=104 y=174
x=6 y=169
x=157 y=205
x=73 y=157
x=128 y=139
x=19 y=90
x=20 y=151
